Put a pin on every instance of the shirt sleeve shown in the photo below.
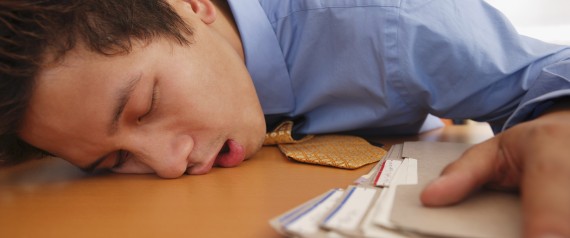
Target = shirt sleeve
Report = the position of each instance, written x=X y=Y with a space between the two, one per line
x=553 y=83
x=464 y=60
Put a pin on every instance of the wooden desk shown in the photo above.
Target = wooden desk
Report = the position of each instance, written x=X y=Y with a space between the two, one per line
x=50 y=198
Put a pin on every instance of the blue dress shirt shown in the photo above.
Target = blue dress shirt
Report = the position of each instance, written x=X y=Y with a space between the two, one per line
x=382 y=66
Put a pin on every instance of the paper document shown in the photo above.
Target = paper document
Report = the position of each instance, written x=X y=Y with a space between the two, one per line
x=385 y=203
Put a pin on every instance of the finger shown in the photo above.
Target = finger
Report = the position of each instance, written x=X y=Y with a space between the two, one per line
x=545 y=192
x=473 y=169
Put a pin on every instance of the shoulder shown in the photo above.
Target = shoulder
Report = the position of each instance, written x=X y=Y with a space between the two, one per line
x=278 y=9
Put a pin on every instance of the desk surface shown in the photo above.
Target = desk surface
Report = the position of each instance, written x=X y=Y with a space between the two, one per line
x=50 y=198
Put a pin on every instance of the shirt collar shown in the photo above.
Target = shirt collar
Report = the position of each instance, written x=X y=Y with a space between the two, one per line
x=263 y=56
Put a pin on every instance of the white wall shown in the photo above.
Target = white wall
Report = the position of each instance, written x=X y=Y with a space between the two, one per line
x=548 y=20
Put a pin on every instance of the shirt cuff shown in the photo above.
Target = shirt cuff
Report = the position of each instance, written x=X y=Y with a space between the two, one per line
x=551 y=85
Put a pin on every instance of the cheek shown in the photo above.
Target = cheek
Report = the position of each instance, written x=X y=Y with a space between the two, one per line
x=201 y=100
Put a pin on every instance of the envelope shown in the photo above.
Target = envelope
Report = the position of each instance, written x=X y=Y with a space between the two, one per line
x=484 y=214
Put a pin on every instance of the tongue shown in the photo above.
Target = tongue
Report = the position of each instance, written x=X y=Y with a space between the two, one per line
x=231 y=155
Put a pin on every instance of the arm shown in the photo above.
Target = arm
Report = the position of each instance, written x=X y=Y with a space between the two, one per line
x=533 y=157
x=473 y=64
x=468 y=62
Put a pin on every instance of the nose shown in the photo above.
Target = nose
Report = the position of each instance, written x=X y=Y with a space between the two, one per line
x=166 y=154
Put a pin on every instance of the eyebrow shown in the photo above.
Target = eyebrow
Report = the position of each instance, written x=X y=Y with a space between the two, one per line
x=123 y=97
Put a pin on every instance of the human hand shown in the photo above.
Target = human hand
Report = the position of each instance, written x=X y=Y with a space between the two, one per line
x=532 y=157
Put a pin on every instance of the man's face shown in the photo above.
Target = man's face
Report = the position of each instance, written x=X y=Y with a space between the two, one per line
x=163 y=108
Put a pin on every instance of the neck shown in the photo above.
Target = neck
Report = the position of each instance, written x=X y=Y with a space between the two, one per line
x=226 y=26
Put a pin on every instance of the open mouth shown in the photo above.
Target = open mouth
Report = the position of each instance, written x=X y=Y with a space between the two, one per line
x=231 y=154
x=225 y=149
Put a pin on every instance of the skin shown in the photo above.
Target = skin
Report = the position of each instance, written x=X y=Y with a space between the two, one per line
x=203 y=93
x=532 y=157
x=206 y=98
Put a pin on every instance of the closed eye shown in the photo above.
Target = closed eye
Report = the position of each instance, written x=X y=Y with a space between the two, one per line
x=152 y=104
x=121 y=157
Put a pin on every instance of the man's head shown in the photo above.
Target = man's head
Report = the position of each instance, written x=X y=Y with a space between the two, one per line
x=148 y=85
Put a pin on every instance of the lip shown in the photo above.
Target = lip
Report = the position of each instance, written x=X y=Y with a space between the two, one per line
x=233 y=155
x=230 y=154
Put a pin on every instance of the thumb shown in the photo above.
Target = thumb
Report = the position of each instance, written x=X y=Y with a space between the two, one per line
x=467 y=174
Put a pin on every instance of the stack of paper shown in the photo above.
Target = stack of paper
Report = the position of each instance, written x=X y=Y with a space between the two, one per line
x=385 y=203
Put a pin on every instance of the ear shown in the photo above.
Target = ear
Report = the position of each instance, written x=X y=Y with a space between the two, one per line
x=205 y=9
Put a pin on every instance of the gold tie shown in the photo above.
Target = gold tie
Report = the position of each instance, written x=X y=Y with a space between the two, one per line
x=341 y=151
